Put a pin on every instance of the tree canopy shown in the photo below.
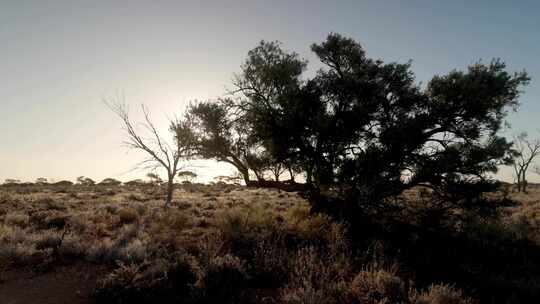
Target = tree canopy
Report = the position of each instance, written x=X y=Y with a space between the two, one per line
x=368 y=129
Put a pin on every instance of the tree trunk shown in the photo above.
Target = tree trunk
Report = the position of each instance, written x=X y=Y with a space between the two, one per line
x=170 y=189
x=245 y=176
x=519 y=181
x=292 y=174
x=309 y=176
x=259 y=176
x=523 y=182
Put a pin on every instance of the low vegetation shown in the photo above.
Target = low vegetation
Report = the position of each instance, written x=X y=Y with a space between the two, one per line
x=232 y=244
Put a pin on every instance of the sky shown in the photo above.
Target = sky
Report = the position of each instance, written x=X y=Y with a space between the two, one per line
x=60 y=59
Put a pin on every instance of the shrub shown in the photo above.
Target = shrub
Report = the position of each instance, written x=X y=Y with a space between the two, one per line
x=49 y=241
x=127 y=247
x=243 y=228
x=441 y=294
x=314 y=278
x=148 y=282
x=137 y=197
x=377 y=286
x=165 y=226
x=134 y=251
x=72 y=247
x=224 y=278
x=19 y=253
x=128 y=215
x=50 y=204
x=110 y=208
x=17 y=219
x=56 y=221
x=317 y=230
x=269 y=265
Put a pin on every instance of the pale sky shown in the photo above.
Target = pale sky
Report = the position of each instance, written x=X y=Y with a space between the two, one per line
x=59 y=59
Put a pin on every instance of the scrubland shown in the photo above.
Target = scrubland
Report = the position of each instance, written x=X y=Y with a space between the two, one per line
x=232 y=244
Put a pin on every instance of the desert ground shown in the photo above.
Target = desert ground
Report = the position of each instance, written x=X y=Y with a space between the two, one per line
x=233 y=244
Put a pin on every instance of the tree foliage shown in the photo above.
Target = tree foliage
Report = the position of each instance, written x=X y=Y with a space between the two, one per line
x=41 y=181
x=110 y=182
x=85 y=181
x=224 y=136
x=187 y=176
x=367 y=129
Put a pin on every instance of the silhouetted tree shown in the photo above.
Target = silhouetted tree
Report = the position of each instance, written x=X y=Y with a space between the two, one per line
x=187 y=176
x=41 y=181
x=63 y=183
x=526 y=150
x=11 y=181
x=85 y=181
x=225 y=136
x=160 y=153
x=110 y=182
x=366 y=129
x=227 y=128
x=154 y=178
x=134 y=183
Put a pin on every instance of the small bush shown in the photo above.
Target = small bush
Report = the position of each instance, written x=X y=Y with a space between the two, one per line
x=269 y=265
x=375 y=286
x=50 y=204
x=128 y=215
x=224 y=279
x=314 y=278
x=72 y=248
x=441 y=294
x=49 y=241
x=110 y=208
x=57 y=221
x=137 y=197
x=243 y=229
x=17 y=219
x=148 y=282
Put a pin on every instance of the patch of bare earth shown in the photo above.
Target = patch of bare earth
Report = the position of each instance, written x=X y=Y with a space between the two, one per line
x=64 y=284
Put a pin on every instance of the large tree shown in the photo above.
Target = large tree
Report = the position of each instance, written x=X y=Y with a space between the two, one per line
x=368 y=130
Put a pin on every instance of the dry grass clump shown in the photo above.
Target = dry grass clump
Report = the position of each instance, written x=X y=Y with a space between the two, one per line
x=138 y=197
x=49 y=203
x=224 y=279
x=378 y=286
x=441 y=294
x=17 y=245
x=166 y=228
x=16 y=219
x=148 y=282
x=131 y=245
x=316 y=278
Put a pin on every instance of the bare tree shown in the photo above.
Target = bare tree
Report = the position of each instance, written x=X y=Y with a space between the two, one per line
x=526 y=150
x=161 y=154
